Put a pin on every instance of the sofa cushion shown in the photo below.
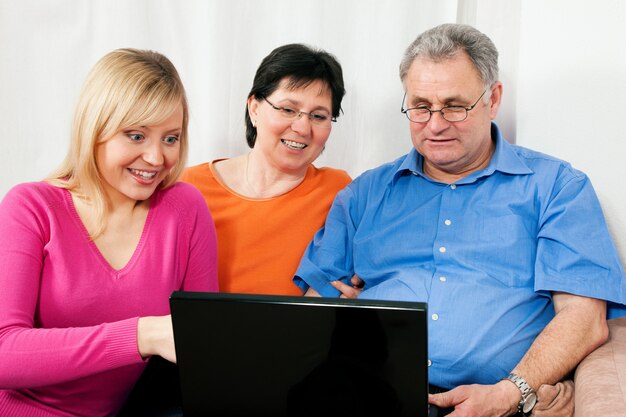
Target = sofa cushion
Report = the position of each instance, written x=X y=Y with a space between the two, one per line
x=600 y=379
x=555 y=400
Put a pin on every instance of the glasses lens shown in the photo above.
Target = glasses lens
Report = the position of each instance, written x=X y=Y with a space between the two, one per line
x=316 y=118
x=320 y=119
x=418 y=115
x=454 y=114
x=287 y=113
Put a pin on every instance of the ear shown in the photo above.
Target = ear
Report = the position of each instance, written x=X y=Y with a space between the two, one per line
x=253 y=108
x=495 y=99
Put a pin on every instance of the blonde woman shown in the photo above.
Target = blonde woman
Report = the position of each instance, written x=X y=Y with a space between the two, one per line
x=90 y=256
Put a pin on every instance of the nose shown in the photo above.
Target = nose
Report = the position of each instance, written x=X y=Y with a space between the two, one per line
x=302 y=124
x=153 y=154
x=437 y=123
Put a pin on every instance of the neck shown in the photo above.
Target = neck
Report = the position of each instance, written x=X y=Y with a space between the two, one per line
x=120 y=203
x=262 y=180
x=119 y=214
x=449 y=175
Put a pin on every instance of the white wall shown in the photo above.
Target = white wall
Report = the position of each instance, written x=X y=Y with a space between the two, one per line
x=47 y=47
x=563 y=64
x=571 y=90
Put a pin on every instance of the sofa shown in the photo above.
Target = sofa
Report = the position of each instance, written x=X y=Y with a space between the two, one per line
x=598 y=388
x=600 y=379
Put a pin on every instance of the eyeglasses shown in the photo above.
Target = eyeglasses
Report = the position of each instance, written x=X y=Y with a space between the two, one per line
x=423 y=114
x=317 y=118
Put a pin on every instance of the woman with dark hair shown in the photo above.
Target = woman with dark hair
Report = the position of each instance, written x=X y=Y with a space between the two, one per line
x=268 y=203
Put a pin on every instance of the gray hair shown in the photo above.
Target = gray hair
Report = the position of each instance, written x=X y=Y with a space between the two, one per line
x=444 y=41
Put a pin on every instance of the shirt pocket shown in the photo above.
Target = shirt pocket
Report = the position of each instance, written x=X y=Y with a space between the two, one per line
x=506 y=248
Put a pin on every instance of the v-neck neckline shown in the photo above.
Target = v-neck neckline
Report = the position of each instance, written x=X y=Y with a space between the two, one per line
x=94 y=248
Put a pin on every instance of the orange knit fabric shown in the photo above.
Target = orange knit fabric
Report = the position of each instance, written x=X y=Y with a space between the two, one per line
x=260 y=241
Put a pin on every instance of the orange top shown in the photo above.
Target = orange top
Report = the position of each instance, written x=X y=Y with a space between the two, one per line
x=260 y=240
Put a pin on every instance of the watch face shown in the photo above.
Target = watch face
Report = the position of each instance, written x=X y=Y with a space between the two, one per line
x=530 y=402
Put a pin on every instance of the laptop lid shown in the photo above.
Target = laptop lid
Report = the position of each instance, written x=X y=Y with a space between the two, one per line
x=259 y=355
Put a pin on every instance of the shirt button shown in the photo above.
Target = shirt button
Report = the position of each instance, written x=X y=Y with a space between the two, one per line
x=429 y=362
x=442 y=249
x=453 y=186
x=443 y=279
x=435 y=316
x=447 y=222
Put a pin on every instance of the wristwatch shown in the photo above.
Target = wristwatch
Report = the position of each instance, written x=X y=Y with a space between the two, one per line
x=529 y=398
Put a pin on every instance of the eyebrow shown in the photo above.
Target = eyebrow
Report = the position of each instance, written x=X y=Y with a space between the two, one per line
x=447 y=101
x=298 y=103
x=176 y=130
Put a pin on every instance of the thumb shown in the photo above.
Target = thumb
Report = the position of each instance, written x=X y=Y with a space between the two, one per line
x=444 y=399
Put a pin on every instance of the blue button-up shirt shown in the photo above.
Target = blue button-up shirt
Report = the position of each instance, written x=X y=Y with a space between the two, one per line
x=485 y=253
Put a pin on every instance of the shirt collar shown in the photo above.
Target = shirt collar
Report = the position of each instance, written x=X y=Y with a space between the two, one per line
x=504 y=159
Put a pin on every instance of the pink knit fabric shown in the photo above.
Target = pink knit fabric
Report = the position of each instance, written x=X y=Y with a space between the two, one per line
x=68 y=320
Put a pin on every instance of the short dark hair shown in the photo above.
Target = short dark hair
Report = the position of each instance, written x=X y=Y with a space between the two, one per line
x=300 y=65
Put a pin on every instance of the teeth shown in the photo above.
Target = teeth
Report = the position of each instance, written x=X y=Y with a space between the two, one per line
x=294 y=145
x=143 y=174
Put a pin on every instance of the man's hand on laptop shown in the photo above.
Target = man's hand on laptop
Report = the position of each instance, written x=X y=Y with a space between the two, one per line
x=311 y=293
x=349 y=291
x=496 y=400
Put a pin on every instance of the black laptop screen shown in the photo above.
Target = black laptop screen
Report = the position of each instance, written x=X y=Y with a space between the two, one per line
x=245 y=355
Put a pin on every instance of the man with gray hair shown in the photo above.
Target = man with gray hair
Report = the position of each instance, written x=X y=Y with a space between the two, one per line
x=508 y=246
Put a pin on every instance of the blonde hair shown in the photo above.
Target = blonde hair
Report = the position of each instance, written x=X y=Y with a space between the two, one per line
x=126 y=87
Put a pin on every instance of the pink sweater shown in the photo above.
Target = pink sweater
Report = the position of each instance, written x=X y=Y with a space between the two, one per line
x=68 y=321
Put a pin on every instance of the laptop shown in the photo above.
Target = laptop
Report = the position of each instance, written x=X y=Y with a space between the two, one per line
x=259 y=355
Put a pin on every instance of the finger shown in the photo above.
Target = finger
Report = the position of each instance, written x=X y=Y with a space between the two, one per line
x=172 y=358
x=443 y=400
x=311 y=293
x=356 y=281
x=345 y=289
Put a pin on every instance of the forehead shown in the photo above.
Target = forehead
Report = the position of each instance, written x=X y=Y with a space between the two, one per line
x=156 y=113
x=456 y=75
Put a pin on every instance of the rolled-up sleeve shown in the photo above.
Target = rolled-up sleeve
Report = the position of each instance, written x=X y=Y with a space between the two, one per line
x=329 y=257
x=575 y=253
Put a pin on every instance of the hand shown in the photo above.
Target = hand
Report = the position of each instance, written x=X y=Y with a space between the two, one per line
x=349 y=291
x=155 y=336
x=498 y=400
x=311 y=293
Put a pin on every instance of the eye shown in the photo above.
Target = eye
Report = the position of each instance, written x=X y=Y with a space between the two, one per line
x=135 y=137
x=420 y=110
x=287 y=111
x=319 y=117
x=170 y=140
x=453 y=109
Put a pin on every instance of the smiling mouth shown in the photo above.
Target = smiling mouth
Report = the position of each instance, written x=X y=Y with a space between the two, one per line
x=293 y=145
x=145 y=175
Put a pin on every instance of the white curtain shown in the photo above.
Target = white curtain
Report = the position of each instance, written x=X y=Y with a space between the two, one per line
x=562 y=62
x=47 y=48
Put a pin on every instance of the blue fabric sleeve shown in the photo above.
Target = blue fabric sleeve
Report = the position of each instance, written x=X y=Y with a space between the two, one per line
x=329 y=255
x=575 y=253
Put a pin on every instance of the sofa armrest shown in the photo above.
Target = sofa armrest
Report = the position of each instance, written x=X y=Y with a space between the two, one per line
x=600 y=379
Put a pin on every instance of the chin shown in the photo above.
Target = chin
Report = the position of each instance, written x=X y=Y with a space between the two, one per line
x=141 y=195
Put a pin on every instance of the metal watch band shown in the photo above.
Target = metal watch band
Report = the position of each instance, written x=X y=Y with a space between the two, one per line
x=529 y=398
